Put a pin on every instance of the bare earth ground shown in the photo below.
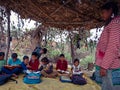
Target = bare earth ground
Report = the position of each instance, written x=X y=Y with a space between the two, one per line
x=49 y=84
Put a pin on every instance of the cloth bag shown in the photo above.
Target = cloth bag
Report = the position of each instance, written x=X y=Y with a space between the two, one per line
x=32 y=78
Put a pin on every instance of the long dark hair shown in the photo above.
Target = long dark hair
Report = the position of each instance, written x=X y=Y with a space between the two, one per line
x=114 y=7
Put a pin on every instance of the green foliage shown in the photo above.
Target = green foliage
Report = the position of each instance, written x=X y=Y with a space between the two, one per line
x=82 y=49
x=54 y=53
x=87 y=59
x=68 y=56
x=76 y=38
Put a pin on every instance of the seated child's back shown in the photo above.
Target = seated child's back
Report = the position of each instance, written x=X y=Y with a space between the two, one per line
x=47 y=68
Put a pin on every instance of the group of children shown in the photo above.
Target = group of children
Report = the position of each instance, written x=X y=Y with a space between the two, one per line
x=14 y=65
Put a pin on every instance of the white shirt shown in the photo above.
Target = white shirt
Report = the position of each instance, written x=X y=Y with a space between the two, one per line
x=76 y=69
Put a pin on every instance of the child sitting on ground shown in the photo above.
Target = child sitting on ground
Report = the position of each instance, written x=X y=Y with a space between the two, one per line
x=46 y=68
x=62 y=64
x=13 y=66
x=77 y=75
x=34 y=62
x=76 y=69
x=2 y=61
x=25 y=64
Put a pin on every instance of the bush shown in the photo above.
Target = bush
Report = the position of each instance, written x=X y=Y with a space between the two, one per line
x=54 y=53
x=87 y=59
x=68 y=56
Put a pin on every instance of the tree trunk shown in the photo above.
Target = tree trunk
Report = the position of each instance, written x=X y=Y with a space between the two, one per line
x=8 y=34
x=0 y=31
x=46 y=39
x=0 y=28
x=62 y=44
x=72 y=48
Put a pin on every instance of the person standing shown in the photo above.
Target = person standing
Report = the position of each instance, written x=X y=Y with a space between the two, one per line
x=108 y=47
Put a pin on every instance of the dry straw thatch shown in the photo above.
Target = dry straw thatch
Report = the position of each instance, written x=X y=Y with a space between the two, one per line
x=59 y=13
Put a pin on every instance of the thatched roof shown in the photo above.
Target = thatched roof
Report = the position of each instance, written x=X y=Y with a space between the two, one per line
x=59 y=13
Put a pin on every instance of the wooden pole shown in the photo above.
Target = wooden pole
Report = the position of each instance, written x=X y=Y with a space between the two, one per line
x=1 y=31
x=8 y=34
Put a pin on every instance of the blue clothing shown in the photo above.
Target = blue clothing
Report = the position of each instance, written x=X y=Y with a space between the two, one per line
x=14 y=63
x=107 y=82
x=23 y=66
x=38 y=49
x=13 y=71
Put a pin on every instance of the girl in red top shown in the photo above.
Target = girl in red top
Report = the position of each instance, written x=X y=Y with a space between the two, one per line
x=34 y=62
x=62 y=64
